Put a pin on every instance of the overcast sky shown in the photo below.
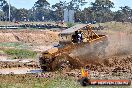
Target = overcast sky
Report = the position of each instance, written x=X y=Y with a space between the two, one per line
x=29 y=3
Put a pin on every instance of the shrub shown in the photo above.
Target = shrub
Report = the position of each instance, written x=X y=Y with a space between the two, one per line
x=70 y=24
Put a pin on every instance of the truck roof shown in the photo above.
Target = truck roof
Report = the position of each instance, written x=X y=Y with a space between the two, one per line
x=73 y=29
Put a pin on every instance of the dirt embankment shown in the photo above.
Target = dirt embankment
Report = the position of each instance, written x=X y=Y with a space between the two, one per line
x=29 y=36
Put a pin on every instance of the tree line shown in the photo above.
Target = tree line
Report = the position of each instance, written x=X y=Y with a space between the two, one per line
x=99 y=11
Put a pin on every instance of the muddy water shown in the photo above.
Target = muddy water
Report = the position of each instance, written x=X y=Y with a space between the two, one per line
x=17 y=69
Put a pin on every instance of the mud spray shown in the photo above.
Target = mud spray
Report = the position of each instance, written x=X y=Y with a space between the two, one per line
x=117 y=44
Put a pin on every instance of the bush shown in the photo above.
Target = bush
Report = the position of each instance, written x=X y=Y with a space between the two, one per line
x=70 y=25
x=19 y=53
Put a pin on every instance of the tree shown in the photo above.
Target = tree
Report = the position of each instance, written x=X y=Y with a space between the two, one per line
x=118 y=16
x=61 y=6
x=4 y=7
x=79 y=16
x=1 y=16
x=42 y=4
x=3 y=3
x=100 y=9
x=88 y=15
x=13 y=13
x=21 y=14
x=59 y=10
x=76 y=4
x=31 y=15
x=126 y=12
x=41 y=10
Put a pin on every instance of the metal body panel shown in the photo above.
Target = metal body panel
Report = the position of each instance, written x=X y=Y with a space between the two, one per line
x=73 y=29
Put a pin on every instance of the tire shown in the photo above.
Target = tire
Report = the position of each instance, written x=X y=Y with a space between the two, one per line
x=85 y=82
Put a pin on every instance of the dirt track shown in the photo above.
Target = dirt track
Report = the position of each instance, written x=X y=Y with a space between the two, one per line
x=29 y=36
x=116 y=61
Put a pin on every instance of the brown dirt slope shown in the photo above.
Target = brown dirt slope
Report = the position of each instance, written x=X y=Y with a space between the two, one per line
x=29 y=36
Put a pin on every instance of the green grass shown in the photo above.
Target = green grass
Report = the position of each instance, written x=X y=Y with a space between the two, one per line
x=30 y=81
x=20 y=53
x=15 y=45
x=70 y=24
x=22 y=81
x=2 y=52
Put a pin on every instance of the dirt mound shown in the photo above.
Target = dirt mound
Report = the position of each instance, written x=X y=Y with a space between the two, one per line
x=113 y=65
x=29 y=36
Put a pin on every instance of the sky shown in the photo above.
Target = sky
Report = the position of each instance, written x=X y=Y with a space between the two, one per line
x=29 y=3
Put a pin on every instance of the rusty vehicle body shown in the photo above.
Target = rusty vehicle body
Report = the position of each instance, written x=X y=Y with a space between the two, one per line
x=59 y=57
